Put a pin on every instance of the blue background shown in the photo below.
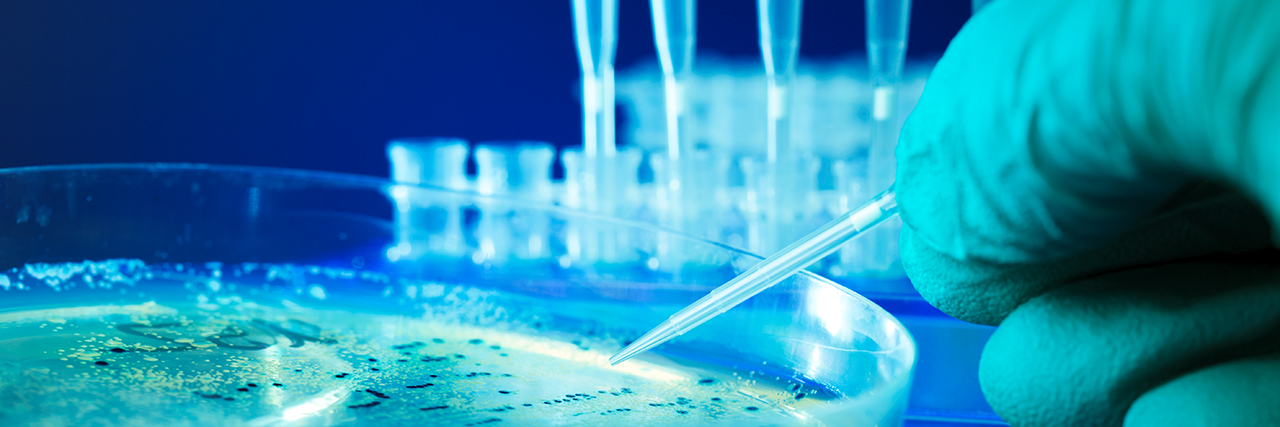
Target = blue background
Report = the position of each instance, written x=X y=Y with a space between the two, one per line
x=324 y=84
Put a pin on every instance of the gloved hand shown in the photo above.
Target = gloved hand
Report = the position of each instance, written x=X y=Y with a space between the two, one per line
x=1098 y=178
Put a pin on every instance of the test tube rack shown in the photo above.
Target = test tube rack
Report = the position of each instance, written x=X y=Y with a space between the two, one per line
x=723 y=198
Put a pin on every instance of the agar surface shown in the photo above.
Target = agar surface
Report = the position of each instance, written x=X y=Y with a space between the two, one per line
x=193 y=360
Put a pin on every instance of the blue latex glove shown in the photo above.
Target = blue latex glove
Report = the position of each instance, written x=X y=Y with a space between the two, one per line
x=1098 y=178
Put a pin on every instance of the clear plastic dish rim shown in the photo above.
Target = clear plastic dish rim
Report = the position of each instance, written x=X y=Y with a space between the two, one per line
x=384 y=186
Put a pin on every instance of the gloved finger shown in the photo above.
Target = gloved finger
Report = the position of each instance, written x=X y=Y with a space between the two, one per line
x=1081 y=355
x=1231 y=394
x=1048 y=127
x=1201 y=220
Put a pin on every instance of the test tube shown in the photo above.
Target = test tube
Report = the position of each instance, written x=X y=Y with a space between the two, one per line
x=520 y=169
x=440 y=162
x=424 y=223
x=617 y=246
x=588 y=242
x=516 y=168
x=580 y=240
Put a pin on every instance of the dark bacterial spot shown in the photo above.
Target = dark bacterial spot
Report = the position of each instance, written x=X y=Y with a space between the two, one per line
x=459 y=356
x=475 y=341
x=707 y=381
x=800 y=396
x=210 y=396
x=433 y=376
x=496 y=347
x=372 y=359
x=100 y=363
x=681 y=411
x=277 y=384
x=528 y=404
x=795 y=387
x=366 y=405
x=485 y=421
x=251 y=385
x=117 y=350
x=437 y=341
x=623 y=409
x=502 y=354
x=424 y=385
x=504 y=392
x=228 y=398
x=373 y=369
x=297 y=370
x=432 y=408
x=752 y=408
x=242 y=389
x=715 y=399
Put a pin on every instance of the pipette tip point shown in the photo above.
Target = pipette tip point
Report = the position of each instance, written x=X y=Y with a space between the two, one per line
x=622 y=356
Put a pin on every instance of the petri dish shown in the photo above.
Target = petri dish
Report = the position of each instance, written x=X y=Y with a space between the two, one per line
x=217 y=295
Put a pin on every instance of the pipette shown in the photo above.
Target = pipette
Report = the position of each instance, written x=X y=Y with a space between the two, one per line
x=780 y=45
x=674 y=24
x=779 y=206
x=887 y=23
x=767 y=273
x=673 y=34
x=595 y=31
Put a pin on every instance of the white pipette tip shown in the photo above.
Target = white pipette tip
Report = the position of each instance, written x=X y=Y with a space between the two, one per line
x=767 y=273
